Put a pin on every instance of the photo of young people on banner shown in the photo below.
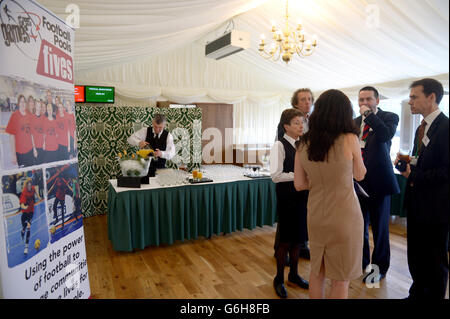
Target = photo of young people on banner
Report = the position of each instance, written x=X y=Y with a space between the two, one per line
x=24 y=215
x=37 y=124
x=63 y=200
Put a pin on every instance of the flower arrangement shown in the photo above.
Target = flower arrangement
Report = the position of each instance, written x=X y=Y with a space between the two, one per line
x=135 y=164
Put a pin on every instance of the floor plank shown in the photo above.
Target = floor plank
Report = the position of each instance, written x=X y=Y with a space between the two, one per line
x=237 y=265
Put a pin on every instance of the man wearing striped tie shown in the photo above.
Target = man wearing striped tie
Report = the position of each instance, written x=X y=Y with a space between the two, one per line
x=427 y=193
x=377 y=130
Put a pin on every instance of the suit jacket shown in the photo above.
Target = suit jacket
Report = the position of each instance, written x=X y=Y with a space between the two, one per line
x=427 y=190
x=380 y=179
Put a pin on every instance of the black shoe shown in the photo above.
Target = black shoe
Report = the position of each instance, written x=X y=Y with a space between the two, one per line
x=299 y=281
x=304 y=253
x=374 y=279
x=280 y=289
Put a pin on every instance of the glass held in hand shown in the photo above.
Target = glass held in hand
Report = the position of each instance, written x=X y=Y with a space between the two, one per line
x=403 y=160
x=403 y=155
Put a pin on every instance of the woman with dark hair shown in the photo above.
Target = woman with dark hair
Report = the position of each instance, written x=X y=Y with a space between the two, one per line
x=291 y=205
x=37 y=131
x=71 y=124
x=328 y=158
x=50 y=146
x=62 y=132
x=19 y=127
x=27 y=201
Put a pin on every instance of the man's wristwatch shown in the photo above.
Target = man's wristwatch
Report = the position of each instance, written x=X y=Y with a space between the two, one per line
x=367 y=113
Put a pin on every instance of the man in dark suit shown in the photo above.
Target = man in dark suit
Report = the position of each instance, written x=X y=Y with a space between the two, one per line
x=377 y=130
x=427 y=194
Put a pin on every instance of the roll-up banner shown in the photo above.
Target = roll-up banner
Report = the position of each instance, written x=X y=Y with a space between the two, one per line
x=42 y=244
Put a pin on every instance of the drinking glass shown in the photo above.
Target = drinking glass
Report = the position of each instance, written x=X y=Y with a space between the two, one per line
x=265 y=161
x=404 y=155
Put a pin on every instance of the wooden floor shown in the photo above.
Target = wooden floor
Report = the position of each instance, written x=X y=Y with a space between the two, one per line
x=237 y=265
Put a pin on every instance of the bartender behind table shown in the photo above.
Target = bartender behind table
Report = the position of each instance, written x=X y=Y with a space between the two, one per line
x=158 y=139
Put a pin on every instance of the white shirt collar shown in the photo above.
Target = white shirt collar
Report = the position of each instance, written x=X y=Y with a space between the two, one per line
x=159 y=134
x=432 y=116
x=290 y=139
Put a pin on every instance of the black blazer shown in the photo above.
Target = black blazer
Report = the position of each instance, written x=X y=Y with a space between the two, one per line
x=380 y=178
x=427 y=190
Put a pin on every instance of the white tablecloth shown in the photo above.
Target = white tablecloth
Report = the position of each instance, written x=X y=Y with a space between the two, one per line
x=218 y=173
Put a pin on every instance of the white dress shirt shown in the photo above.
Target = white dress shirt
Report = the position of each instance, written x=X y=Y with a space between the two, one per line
x=429 y=119
x=305 y=123
x=140 y=136
x=277 y=156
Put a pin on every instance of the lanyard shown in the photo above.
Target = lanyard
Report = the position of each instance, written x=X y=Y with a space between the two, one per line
x=417 y=149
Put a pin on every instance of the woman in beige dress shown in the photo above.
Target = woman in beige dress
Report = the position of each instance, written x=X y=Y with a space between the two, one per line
x=328 y=158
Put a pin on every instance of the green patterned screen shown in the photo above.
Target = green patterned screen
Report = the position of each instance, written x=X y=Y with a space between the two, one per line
x=103 y=132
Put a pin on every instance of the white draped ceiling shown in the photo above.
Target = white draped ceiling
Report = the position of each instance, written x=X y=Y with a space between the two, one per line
x=154 y=49
x=409 y=40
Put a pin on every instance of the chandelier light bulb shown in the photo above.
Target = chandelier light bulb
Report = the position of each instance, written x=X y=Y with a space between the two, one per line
x=308 y=45
x=287 y=41
x=272 y=47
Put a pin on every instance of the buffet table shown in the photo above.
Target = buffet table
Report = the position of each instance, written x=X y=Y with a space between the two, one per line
x=155 y=215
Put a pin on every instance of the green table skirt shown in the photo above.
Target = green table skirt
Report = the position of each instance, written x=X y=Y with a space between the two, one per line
x=140 y=218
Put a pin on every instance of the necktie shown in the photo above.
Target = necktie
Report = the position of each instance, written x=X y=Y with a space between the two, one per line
x=365 y=132
x=421 y=134
x=364 y=137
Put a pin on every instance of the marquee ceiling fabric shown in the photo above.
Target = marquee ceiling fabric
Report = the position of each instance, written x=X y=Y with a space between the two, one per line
x=359 y=42
x=116 y=31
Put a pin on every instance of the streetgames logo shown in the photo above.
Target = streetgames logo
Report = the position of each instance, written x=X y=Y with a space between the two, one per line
x=28 y=31
x=19 y=26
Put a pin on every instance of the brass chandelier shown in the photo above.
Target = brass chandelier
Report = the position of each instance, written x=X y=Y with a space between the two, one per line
x=286 y=42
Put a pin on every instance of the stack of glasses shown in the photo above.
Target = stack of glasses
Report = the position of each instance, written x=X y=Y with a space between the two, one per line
x=222 y=173
x=170 y=177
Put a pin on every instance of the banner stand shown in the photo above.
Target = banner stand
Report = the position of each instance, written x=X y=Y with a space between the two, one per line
x=42 y=243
